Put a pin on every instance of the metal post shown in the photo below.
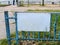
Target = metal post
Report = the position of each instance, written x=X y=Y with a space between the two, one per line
x=17 y=2
x=50 y=26
x=44 y=36
x=13 y=2
x=55 y=24
x=28 y=35
x=7 y=27
x=42 y=2
x=28 y=3
x=33 y=35
x=8 y=2
x=59 y=35
x=38 y=35
x=22 y=34
x=17 y=42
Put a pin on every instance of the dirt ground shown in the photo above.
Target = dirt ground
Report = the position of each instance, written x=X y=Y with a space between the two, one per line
x=12 y=9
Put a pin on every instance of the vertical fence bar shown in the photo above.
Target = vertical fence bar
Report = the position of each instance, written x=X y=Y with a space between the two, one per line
x=38 y=36
x=28 y=35
x=59 y=35
x=8 y=2
x=13 y=2
x=49 y=36
x=55 y=24
x=23 y=35
x=42 y=2
x=33 y=35
x=28 y=2
x=17 y=41
x=17 y=2
x=7 y=27
x=44 y=36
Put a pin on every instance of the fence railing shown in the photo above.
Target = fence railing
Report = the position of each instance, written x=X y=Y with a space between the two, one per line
x=5 y=2
x=39 y=2
x=27 y=35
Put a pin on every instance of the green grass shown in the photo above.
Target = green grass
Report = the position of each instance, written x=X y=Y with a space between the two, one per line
x=3 y=42
x=37 y=10
x=3 y=5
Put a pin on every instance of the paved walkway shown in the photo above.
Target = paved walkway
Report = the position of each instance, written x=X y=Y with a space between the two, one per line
x=15 y=8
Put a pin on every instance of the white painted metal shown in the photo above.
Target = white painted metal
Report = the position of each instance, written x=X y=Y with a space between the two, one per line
x=33 y=21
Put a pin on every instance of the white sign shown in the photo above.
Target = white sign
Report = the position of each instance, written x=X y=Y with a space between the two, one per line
x=33 y=21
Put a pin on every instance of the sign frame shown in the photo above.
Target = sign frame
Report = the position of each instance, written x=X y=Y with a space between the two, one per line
x=30 y=14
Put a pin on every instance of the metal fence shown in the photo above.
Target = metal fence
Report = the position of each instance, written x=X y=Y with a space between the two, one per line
x=44 y=36
x=5 y=2
x=40 y=2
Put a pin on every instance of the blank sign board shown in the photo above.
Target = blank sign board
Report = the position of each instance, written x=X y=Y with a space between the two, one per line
x=33 y=21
